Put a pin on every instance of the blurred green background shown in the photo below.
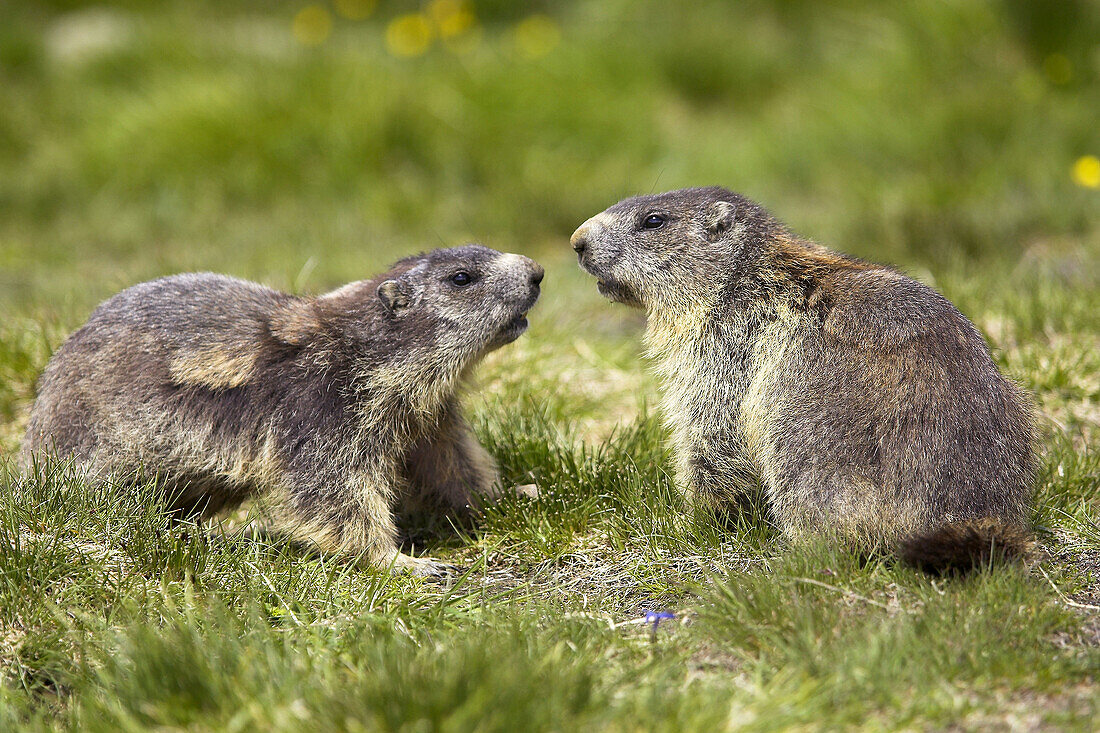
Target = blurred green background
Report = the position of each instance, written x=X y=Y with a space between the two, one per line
x=912 y=131
x=307 y=144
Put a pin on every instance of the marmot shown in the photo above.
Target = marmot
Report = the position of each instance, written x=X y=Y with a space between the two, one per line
x=862 y=402
x=335 y=408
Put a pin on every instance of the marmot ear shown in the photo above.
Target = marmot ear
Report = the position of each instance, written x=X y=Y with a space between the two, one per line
x=720 y=217
x=394 y=295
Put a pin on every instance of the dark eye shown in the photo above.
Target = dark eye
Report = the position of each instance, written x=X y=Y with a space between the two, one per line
x=462 y=278
x=653 y=221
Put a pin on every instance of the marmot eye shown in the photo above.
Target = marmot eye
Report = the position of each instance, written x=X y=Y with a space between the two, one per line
x=462 y=278
x=653 y=221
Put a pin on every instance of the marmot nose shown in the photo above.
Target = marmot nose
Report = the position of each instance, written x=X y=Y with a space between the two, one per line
x=537 y=273
x=580 y=244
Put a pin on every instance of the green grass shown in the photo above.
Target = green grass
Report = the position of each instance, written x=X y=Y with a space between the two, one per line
x=142 y=139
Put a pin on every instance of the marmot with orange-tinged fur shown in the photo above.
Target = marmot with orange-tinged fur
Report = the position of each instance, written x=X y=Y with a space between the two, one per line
x=863 y=402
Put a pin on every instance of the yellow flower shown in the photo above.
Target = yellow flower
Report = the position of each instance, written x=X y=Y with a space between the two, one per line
x=409 y=35
x=312 y=25
x=355 y=9
x=456 y=24
x=440 y=10
x=536 y=36
x=1086 y=171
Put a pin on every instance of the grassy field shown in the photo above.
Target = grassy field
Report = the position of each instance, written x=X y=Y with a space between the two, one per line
x=304 y=146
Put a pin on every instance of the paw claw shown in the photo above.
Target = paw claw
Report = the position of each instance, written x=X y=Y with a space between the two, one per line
x=531 y=491
x=421 y=566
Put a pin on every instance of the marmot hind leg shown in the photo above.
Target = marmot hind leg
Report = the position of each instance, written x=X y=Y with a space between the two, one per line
x=350 y=516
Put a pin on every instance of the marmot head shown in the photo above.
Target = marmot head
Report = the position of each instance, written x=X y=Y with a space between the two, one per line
x=671 y=248
x=464 y=301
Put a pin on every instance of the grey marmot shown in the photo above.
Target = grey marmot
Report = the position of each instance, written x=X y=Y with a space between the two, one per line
x=337 y=409
x=863 y=403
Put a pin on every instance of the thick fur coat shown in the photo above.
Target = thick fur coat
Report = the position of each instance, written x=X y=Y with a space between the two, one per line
x=335 y=409
x=862 y=401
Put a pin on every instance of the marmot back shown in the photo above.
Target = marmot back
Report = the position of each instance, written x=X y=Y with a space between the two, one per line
x=334 y=408
x=864 y=403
